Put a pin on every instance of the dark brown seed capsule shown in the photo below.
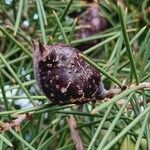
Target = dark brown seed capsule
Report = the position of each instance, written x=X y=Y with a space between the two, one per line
x=63 y=76
x=92 y=23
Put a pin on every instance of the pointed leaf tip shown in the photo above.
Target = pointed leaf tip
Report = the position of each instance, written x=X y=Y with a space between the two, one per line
x=41 y=47
x=34 y=43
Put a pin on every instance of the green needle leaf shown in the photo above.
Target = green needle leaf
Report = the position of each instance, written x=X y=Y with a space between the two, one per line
x=18 y=16
x=15 y=41
x=60 y=27
x=4 y=139
x=126 y=40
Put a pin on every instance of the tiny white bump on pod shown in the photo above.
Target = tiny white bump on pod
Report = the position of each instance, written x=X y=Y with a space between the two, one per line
x=69 y=66
x=72 y=61
x=63 y=89
x=73 y=100
x=51 y=81
x=57 y=86
x=60 y=56
x=93 y=81
x=58 y=65
x=56 y=59
x=88 y=64
x=75 y=56
x=52 y=95
x=82 y=95
x=95 y=92
x=43 y=78
x=56 y=77
x=46 y=85
x=91 y=73
x=49 y=72
x=78 y=87
x=60 y=102
x=80 y=91
x=80 y=60
x=49 y=65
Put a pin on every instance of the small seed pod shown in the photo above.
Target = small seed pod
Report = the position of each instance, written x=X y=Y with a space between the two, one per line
x=63 y=76
x=92 y=23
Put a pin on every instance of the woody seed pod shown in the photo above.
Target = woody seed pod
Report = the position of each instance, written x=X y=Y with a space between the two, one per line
x=92 y=24
x=63 y=76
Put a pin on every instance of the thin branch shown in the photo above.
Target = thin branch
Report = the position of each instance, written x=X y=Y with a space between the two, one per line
x=74 y=133
x=112 y=92
x=119 y=95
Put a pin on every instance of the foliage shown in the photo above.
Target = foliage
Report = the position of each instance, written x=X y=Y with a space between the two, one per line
x=29 y=121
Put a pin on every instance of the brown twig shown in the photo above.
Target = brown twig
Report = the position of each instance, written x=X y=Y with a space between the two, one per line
x=74 y=133
x=114 y=91
x=5 y=126
x=111 y=92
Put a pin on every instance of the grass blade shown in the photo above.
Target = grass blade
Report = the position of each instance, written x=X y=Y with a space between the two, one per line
x=117 y=46
x=18 y=16
x=41 y=21
x=126 y=40
x=99 y=128
x=126 y=129
x=145 y=59
x=5 y=140
x=101 y=43
x=72 y=30
x=94 y=37
x=131 y=42
x=60 y=27
x=15 y=41
x=16 y=78
x=142 y=132
x=21 y=139
x=113 y=124
x=4 y=94
x=43 y=11
x=62 y=17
